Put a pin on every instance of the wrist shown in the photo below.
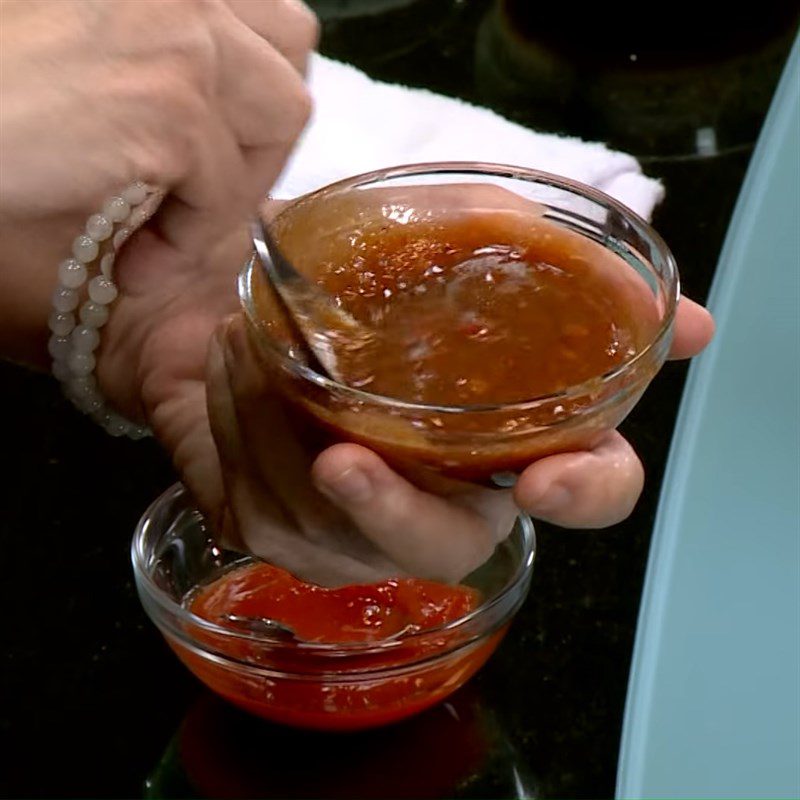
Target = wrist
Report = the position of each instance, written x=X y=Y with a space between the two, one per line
x=86 y=288
x=28 y=278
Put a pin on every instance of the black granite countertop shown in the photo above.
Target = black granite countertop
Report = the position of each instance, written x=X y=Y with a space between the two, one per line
x=93 y=702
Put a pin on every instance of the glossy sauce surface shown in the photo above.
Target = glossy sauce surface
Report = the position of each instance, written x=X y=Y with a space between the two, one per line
x=525 y=336
x=480 y=311
x=339 y=690
x=358 y=613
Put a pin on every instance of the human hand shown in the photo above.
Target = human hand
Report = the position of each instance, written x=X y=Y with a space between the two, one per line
x=202 y=98
x=344 y=516
x=283 y=502
x=348 y=517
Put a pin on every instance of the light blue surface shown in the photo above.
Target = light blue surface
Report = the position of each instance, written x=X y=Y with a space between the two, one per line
x=714 y=697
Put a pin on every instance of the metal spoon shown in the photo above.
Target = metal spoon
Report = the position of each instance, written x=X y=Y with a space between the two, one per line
x=263 y=625
x=272 y=627
x=323 y=325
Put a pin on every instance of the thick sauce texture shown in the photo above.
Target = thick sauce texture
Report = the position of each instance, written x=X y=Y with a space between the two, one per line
x=357 y=613
x=472 y=310
x=480 y=311
x=337 y=692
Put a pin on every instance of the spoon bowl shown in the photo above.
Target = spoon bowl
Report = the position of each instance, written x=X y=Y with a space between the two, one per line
x=323 y=326
x=262 y=626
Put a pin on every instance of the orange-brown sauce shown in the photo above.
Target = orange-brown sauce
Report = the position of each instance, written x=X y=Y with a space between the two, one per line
x=474 y=312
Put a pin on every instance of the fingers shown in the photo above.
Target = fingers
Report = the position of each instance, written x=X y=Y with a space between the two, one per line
x=425 y=535
x=244 y=106
x=262 y=95
x=600 y=487
x=274 y=511
x=592 y=489
x=288 y=25
x=390 y=527
x=694 y=328
x=278 y=460
x=181 y=426
x=205 y=200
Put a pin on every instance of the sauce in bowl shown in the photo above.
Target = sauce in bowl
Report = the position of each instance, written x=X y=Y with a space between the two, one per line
x=372 y=687
x=482 y=311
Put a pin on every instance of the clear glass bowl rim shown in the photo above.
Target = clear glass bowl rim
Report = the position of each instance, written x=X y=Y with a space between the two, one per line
x=166 y=604
x=672 y=293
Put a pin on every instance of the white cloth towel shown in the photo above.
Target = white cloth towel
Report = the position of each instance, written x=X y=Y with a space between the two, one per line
x=359 y=125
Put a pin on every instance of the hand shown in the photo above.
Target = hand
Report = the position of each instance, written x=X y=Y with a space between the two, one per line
x=287 y=509
x=344 y=517
x=201 y=97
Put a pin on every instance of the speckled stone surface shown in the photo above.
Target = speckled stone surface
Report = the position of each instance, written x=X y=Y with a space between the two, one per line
x=94 y=704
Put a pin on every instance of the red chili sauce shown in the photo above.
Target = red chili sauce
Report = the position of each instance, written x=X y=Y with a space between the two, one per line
x=330 y=694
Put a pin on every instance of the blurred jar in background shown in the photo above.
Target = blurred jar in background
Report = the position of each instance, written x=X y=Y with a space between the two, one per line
x=683 y=79
x=678 y=79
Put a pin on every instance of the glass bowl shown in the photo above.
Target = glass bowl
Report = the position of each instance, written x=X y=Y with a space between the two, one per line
x=344 y=686
x=467 y=442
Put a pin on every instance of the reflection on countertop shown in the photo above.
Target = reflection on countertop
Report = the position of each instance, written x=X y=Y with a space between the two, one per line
x=458 y=749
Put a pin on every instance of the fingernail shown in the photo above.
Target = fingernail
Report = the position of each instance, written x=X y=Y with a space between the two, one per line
x=555 y=498
x=349 y=486
x=505 y=480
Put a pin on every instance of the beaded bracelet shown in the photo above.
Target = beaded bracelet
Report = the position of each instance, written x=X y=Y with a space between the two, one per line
x=73 y=342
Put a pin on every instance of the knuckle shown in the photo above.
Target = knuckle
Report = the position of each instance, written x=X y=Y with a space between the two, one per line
x=191 y=54
x=303 y=108
x=301 y=35
x=283 y=106
x=295 y=111
x=187 y=115
x=158 y=157
x=298 y=17
x=306 y=26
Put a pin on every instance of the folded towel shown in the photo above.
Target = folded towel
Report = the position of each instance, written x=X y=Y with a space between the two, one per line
x=360 y=125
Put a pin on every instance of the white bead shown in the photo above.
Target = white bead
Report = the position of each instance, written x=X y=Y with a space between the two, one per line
x=107 y=265
x=82 y=385
x=151 y=204
x=61 y=323
x=81 y=363
x=61 y=370
x=138 y=217
x=120 y=237
x=117 y=425
x=58 y=347
x=65 y=299
x=138 y=432
x=93 y=314
x=117 y=209
x=99 y=227
x=84 y=248
x=102 y=291
x=85 y=339
x=101 y=416
x=135 y=193
x=89 y=405
x=72 y=273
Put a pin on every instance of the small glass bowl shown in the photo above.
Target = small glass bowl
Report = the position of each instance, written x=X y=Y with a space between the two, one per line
x=473 y=442
x=345 y=686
